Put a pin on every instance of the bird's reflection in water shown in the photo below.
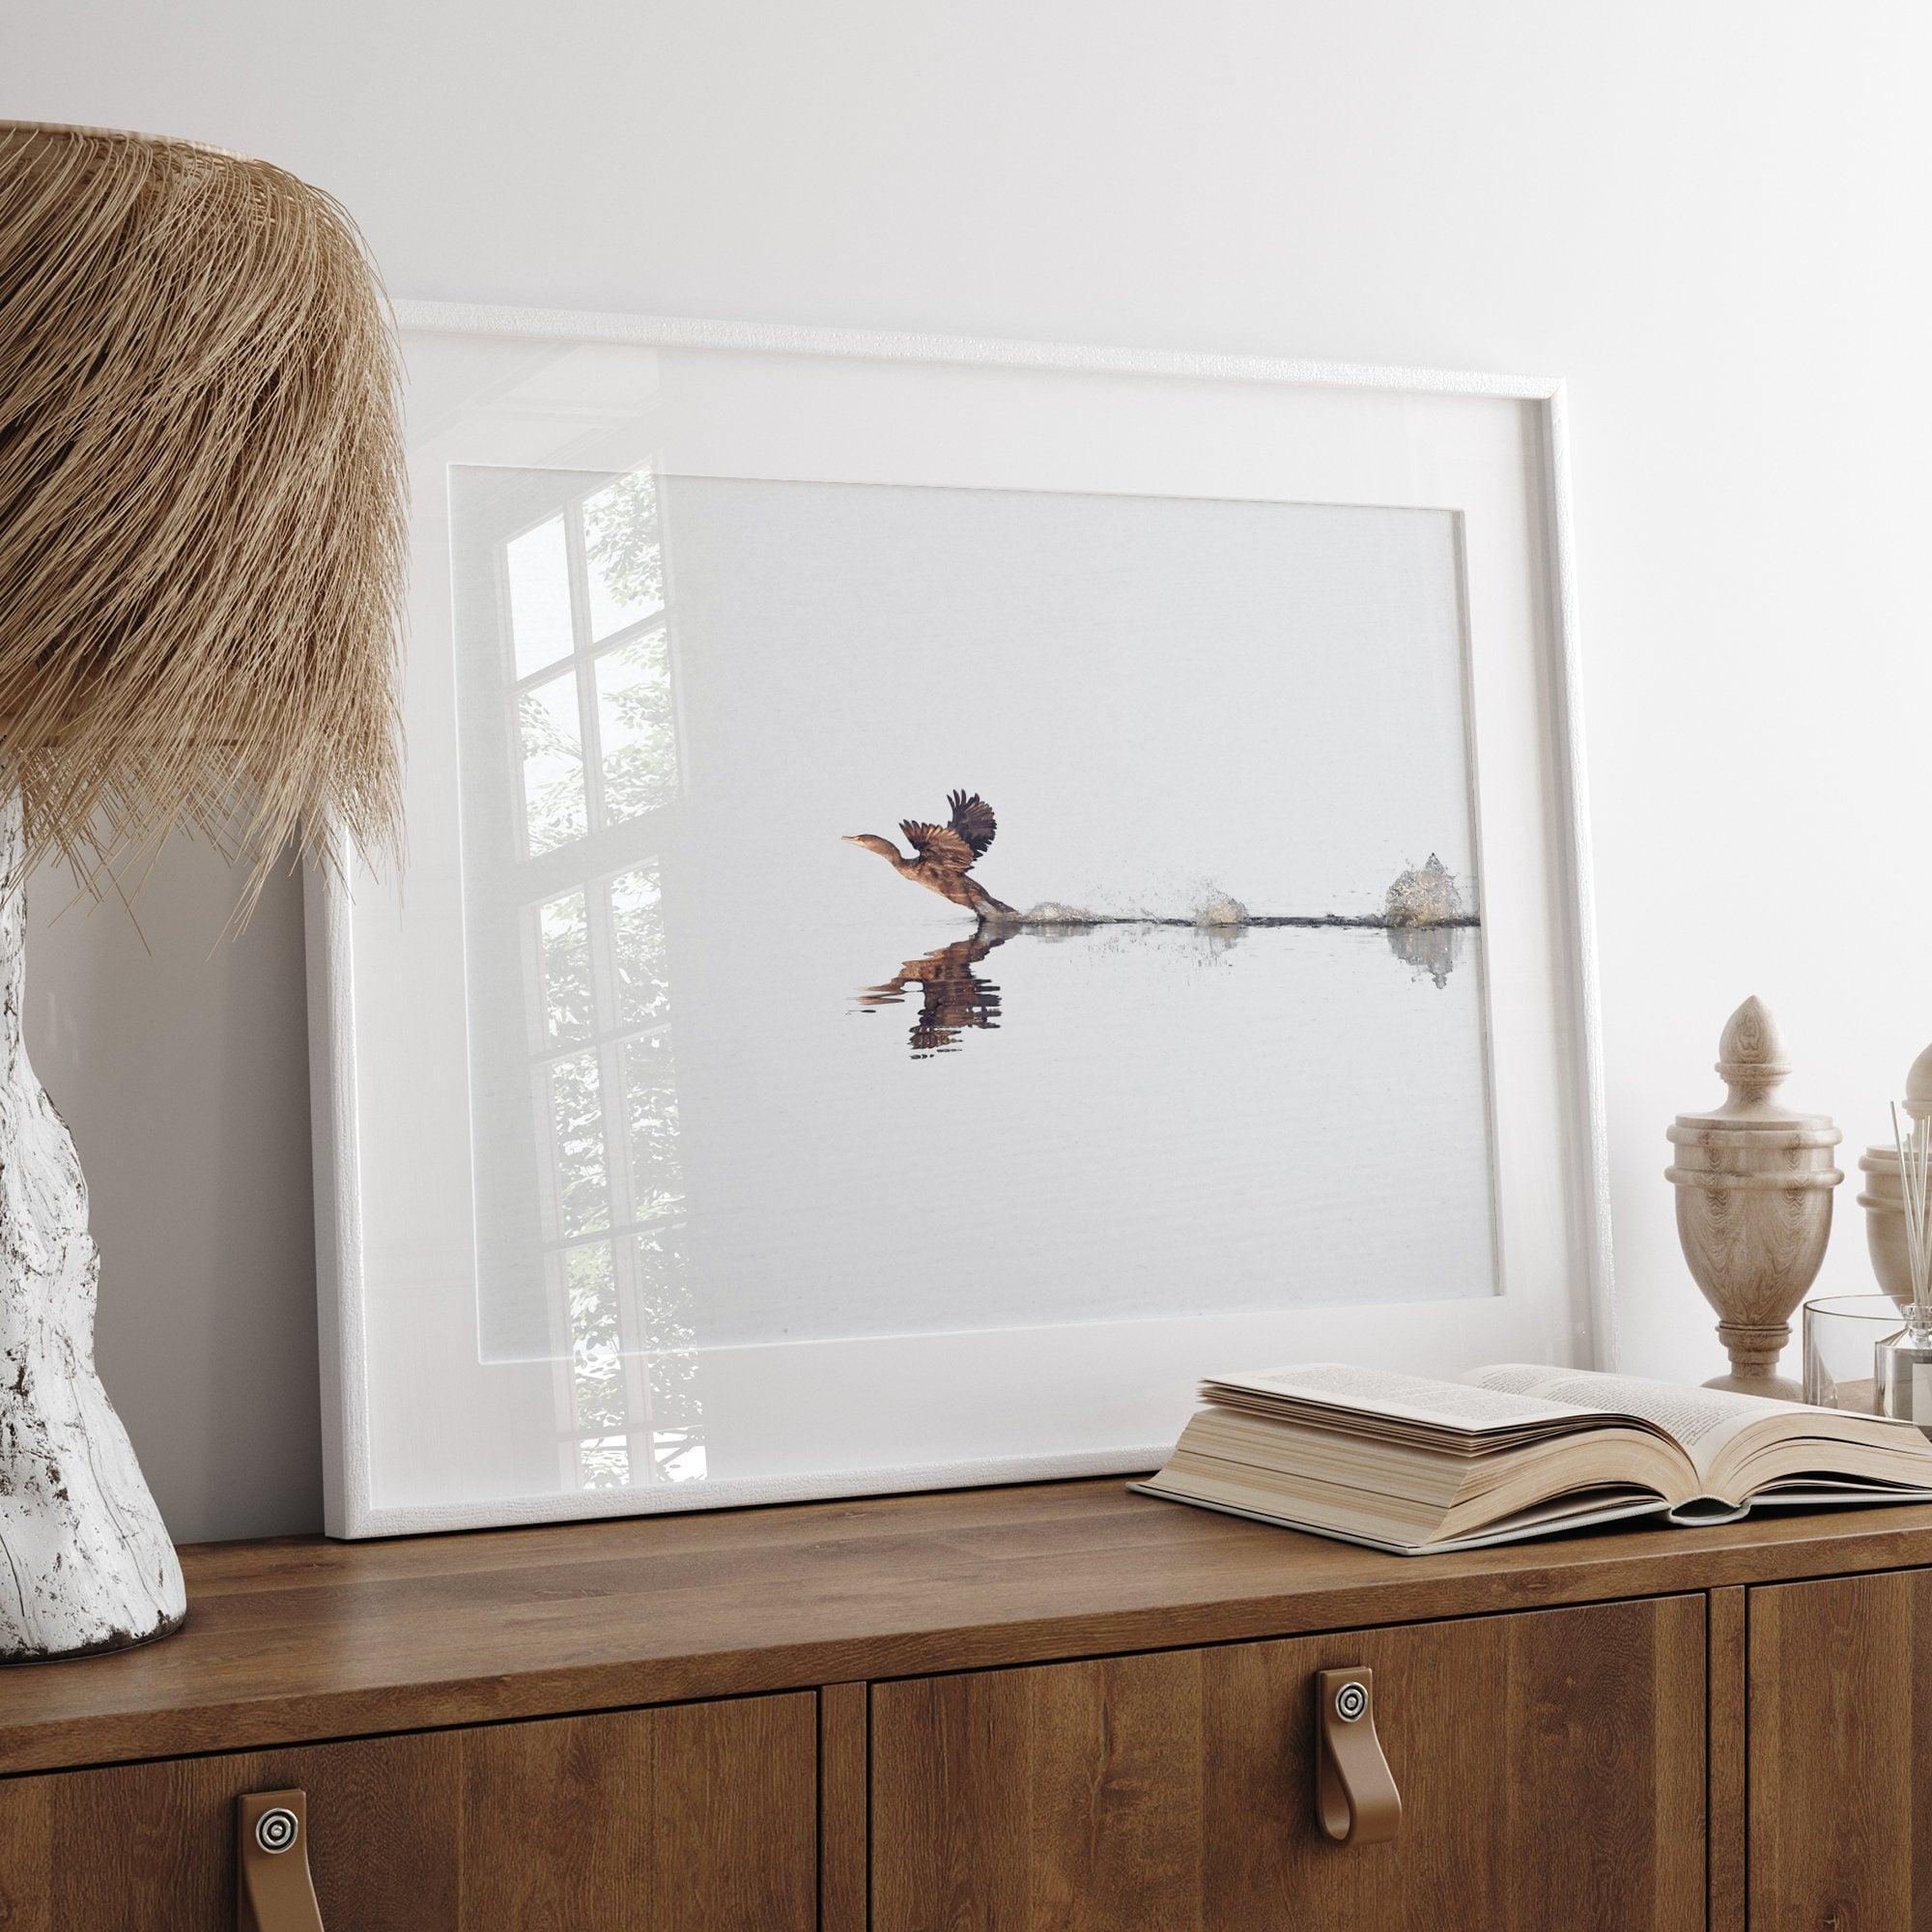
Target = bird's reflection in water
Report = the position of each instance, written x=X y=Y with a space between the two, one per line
x=953 y=997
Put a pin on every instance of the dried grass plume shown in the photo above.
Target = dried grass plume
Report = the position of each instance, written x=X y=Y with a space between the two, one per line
x=202 y=534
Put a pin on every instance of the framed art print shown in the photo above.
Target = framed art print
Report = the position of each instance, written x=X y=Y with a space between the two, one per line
x=953 y=889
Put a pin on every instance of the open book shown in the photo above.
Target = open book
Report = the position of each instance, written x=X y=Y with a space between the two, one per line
x=1410 y=1465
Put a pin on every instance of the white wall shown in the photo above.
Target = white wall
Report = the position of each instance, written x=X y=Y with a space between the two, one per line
x=1710 y=217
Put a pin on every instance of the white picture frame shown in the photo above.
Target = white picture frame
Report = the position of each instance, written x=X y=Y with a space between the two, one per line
x=421 y=1432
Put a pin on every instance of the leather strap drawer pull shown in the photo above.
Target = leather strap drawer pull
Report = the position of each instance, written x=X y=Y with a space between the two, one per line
x=273 y=1891
x=1355 y=1798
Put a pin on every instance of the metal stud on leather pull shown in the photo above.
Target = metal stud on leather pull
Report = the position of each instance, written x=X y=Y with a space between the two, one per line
x=274 y=1891
x=1355 y=1799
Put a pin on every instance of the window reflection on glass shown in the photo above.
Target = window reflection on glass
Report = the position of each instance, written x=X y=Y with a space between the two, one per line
x=589 y=672
x=581 y=584
x=623 y=555
x=678 y=1416
x=599 y=1400
x=577 y=1137
x=650 y=1128
x=637 y=946
x=556 y=810
x=563 y=937
x=654 y=1175
x=538 y=565
x=635 y=726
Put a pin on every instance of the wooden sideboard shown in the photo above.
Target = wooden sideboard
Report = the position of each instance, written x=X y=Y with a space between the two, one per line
x=998 y=1711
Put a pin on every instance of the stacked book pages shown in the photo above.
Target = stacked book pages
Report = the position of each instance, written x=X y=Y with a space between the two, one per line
x=1415 y=1465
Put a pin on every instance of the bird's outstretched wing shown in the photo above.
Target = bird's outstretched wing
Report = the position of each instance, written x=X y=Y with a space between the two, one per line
x=941 y=844
x=973 y=819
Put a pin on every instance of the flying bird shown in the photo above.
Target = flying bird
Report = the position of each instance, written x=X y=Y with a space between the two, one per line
x=943 y=855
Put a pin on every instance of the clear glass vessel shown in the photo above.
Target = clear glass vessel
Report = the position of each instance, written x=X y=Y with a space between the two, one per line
x=1902 y=1368
x=1843 y=1335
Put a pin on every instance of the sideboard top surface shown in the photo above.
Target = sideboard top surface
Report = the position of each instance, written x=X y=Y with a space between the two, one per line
x=302 y=1639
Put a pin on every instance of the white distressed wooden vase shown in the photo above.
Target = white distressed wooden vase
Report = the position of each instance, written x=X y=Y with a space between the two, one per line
x=85 y=1561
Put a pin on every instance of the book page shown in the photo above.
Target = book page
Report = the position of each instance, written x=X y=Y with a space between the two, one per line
x=1462 y=1406
x=1573 y=1513
x=1703 y=1421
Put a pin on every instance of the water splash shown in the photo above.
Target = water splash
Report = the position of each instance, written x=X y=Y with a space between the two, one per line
x=1220 y=910
x=1424 y=895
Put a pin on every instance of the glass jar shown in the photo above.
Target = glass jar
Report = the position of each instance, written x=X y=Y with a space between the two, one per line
x=1841 y=1335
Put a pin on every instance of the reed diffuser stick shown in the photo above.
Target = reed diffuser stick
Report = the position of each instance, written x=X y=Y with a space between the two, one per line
x=1913 y=1137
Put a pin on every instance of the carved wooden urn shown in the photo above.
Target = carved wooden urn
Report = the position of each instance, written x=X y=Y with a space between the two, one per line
x=1884 y=1200
x=1754 y=1182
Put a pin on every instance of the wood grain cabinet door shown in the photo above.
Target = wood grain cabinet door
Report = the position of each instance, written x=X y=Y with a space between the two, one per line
x=1840 y=1739
x=689 y=1818
x=1551 y=1764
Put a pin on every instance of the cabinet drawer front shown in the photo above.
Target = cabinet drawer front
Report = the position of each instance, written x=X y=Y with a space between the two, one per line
x=1551 y=1764
x=690 y=1818
x=1840 y=1728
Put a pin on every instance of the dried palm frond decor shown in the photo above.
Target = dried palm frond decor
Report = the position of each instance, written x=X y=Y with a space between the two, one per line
x=201 y=560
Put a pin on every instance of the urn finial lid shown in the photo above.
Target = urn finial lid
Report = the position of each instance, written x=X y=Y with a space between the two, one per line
x=1918 y=1087
x=1752 y=1063
x=1750 y=1056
